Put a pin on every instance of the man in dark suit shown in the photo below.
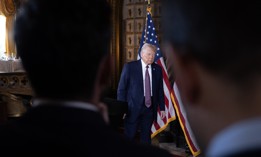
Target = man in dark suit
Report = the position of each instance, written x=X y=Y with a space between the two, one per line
x=215 y=49
x=132 y=88
x=64 y=46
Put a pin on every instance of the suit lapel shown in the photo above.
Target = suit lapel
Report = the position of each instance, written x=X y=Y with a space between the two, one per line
x=139 y=75
x=153 y=73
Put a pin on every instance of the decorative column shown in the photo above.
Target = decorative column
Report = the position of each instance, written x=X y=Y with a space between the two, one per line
x=116 y=42
x=8 y=8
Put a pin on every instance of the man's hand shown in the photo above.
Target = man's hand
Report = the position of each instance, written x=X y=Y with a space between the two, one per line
x=123 y=117
x=162 y=114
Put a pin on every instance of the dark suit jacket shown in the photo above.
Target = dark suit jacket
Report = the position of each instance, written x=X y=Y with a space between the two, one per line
x=130 y=88
x=66 y=131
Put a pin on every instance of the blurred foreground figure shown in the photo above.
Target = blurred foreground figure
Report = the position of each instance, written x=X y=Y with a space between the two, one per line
x=64 y=47
x=215 y=49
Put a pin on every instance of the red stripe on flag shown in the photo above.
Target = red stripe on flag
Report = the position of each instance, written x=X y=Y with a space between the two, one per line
x=165 y=76
x=156 y=125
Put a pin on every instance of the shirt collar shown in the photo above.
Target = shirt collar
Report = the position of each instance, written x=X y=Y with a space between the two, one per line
x=73 y=104
x=239 y=137
x=144 y=65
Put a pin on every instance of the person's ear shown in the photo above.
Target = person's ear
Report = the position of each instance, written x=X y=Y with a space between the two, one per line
x=105 y=71
x=185 y=72
x=102 y=79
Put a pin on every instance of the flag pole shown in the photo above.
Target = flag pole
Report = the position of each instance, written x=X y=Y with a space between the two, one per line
x=146 y=22
x=148 y=7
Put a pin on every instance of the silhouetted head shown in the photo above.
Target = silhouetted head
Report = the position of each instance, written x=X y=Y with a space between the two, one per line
x=215 y=50
x=62 y=43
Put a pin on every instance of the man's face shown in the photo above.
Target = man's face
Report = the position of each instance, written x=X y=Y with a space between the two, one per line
x=148 y=55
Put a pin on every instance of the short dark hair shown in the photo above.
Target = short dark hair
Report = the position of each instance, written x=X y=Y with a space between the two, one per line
x=223 y=36
x=61 y=44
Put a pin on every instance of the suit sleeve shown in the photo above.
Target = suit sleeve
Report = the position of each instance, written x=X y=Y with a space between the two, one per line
x=161 y=92
x=123 y=84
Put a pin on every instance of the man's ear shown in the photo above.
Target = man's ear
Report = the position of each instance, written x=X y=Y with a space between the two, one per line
x=102 y=79
x=186 y=76
x=105 y=71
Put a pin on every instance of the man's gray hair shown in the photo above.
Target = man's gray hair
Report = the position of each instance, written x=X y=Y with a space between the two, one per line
x=153 y=47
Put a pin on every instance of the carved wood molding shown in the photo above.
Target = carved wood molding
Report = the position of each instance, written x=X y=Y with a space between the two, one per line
x=15 y=83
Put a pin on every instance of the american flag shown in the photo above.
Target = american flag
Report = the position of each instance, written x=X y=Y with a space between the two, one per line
x=149 y=36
